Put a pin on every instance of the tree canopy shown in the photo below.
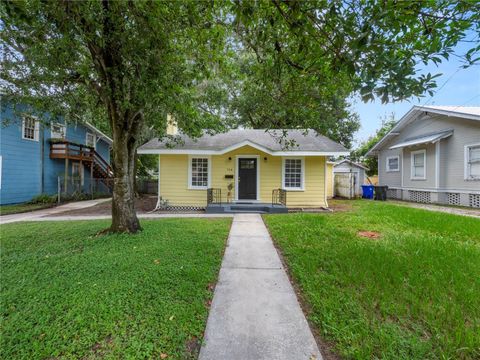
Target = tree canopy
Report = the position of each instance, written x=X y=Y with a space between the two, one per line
x=263 y=64
x=388 y=122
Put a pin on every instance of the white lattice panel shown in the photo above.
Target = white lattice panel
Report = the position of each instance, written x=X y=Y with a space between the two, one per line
x=453 y=199
x=419 y=196
x=392 y=194
x=474 y=200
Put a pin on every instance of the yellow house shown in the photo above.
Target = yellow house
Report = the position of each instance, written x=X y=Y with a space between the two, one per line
x=243 y=169
x=330 y=190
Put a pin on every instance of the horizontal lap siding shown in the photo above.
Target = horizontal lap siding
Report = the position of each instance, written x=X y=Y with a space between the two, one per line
x=330 y=180
x=174 y=182
x=21 y=164
x=314 y=194
x=174 y=179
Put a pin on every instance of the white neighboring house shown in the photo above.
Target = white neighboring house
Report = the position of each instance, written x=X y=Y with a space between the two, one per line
x=432 y=155
x=358 y=174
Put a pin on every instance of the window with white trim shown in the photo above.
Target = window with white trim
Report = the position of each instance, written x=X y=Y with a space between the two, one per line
x=472 y=162
x=199 y=173
x=293 y=174
x=30 y=129
x=91 y=140
x=58 y=131
x=393 y=163
x=418 y=159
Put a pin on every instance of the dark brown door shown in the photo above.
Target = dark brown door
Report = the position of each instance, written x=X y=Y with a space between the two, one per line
x=247 y=179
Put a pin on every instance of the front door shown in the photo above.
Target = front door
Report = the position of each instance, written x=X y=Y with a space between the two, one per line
x=247 y=179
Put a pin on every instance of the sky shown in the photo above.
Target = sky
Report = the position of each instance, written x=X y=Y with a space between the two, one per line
x=455 y=87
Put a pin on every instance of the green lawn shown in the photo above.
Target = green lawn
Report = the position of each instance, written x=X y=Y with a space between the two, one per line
x=67 y=293
x=413 y=293
x=21 y=208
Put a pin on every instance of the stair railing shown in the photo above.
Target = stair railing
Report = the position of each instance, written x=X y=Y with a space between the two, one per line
x=279 y=197
x=214 y=196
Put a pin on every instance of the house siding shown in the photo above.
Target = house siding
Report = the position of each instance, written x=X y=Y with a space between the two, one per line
x=330 y=188
x=174 y=179
x=21 y=165
x=390 y=178
x=430 y=168
x=449 y=177
x=27 y=173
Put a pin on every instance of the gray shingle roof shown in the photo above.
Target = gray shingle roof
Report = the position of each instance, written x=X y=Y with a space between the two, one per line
x=271 y=140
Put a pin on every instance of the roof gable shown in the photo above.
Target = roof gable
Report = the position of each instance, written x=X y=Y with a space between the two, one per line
x=465 y=112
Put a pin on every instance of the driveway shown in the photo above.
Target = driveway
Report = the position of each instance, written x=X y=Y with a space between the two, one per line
x=255 y=313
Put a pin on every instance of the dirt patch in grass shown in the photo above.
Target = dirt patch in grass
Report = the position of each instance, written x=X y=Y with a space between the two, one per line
x=369 y=234
x=192 y=347
x=340 y=205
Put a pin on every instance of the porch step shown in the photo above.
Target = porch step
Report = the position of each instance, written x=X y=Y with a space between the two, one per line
x=246 y=208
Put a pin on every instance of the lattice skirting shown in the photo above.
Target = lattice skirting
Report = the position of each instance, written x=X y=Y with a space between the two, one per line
x=419 y=196
x=453 y=198
x=474 y=200
x=182 y=208
x=393 y=194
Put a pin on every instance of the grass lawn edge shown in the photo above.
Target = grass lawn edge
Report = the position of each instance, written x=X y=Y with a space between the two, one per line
x=327 y=348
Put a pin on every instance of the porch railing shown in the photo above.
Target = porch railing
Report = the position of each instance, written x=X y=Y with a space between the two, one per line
x=279 y=197
x=214 y=196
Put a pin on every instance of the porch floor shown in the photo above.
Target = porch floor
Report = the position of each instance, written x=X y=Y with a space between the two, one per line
x=245 y=207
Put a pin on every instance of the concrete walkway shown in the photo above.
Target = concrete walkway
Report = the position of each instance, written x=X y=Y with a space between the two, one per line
x=255 y=313
x=38 y=214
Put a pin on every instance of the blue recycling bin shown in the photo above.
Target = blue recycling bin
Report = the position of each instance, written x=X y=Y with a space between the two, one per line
x=367 y=191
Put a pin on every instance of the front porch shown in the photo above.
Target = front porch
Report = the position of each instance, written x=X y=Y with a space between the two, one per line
x=216 y=206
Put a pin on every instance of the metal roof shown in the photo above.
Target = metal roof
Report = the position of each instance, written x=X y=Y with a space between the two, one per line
x=296 y=142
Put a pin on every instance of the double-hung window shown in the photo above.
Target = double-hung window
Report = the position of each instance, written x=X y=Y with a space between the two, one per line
x=91 y=140
x=58 y=131
x=293 y=174
x=199 y=173
x=418 y=160
x=472 y=162
x=30 y=129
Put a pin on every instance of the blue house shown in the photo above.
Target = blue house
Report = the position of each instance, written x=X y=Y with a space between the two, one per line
x=38 y=157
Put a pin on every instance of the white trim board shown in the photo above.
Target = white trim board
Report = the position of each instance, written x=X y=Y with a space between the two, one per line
x=466 y=170
x=302 y=188
x=412 y=157
x=387 y=167
x=237 y=174
x=209 y=169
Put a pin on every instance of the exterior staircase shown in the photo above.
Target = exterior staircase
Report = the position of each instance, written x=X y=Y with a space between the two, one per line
x=101 y=169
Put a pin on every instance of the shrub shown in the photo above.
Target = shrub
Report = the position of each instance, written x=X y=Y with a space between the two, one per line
x=44 y=199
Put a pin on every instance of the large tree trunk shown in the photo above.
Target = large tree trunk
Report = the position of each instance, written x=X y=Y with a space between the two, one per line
x=124 y=217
